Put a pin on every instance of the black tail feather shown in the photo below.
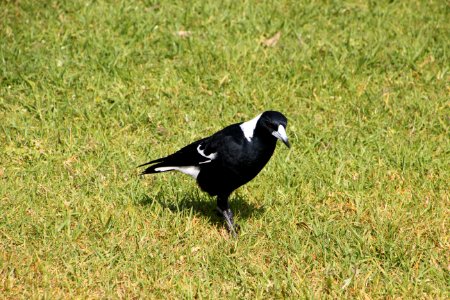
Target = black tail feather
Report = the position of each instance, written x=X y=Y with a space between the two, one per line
x=149 y=170
x=152 y=162
x=152 y=169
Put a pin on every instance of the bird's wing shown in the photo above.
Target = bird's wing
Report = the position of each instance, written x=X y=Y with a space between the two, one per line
x=200 y=152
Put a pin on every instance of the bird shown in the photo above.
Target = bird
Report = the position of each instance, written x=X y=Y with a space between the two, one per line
x=228 y=159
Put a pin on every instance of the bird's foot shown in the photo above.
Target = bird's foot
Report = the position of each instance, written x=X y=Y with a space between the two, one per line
x=229 y=221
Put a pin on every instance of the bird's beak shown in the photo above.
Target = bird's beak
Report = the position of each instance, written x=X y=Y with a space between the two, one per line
x=281 y=135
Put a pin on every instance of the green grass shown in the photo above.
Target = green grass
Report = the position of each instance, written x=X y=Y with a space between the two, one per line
x=359 y=207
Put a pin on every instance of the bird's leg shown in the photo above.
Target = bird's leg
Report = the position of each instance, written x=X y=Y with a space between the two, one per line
x=224 y=209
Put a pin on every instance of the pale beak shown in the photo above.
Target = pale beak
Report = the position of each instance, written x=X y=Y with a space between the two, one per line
x=281 y=135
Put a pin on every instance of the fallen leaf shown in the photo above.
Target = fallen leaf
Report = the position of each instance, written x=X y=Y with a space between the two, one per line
x=68 y=162
x=183 y=33
x=181 y=260
x=346 y=283
x=195 y=249
x=161 y=130
x=271 y=42
x=304 y=225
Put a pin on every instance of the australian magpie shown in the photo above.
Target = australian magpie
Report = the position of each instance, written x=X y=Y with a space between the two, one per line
x=227 y=159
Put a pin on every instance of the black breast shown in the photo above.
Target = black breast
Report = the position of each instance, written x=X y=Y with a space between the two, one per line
x=237 y=164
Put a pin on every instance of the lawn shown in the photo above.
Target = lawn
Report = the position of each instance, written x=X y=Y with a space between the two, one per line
x=358 y=208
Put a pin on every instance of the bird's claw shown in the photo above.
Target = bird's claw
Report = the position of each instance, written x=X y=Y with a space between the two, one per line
x=229 y=221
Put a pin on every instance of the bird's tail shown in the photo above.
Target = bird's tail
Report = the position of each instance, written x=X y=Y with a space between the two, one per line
x=152 y=162
x=160 y=165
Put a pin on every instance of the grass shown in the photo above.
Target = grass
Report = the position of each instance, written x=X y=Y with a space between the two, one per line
x=358 y=208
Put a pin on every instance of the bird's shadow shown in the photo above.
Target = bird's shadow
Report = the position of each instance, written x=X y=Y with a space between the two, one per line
x=204 y=206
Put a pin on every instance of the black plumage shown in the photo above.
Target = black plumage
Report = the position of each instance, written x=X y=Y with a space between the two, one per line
x=227 y=159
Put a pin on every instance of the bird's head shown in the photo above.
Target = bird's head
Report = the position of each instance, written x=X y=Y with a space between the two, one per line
x=275 y=123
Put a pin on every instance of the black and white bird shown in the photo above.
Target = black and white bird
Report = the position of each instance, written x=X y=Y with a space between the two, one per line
x=227 y=159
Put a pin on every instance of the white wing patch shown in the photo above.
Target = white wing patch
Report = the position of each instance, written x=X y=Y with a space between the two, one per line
x=189 y=170
x=248 y=128
x=202 y=153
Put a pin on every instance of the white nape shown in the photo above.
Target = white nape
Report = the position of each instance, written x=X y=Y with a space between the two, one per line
x=202 y=153
x=189 y=170
x=249 y=127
